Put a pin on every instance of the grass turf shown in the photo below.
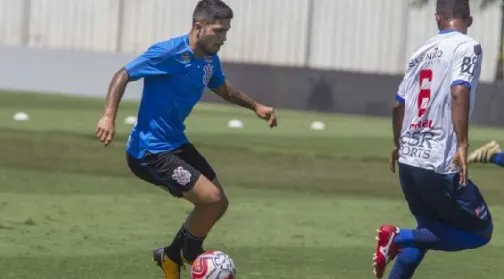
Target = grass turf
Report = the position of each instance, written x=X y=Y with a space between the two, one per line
x=304 y=203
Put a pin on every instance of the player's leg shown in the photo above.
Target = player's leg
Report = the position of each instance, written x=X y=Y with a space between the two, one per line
x=463 y=220
x=169 y=264
x=407 y=262
x=450 y=218
x=413 y=244
x=225 y=204
x=408 y=259
x=188 y=243
x=208 y=208
x=488 y=153
x=173 y=174
x=190 y=238
x=498 y=159
x=191 y=155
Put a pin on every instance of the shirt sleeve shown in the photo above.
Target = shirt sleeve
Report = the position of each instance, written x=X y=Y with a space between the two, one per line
x=154 y=61
x=218 y=77
x=466 y=65
x=401 y=92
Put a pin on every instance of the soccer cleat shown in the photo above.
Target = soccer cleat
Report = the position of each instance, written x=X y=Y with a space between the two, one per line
x=386 y=250
x=484 y=153
x=170 y=267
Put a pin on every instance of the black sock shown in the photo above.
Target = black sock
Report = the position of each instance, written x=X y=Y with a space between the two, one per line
x=173 y=250
x=193 y=246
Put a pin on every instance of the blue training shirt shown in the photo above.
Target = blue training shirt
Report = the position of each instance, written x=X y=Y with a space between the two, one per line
x=174 y=81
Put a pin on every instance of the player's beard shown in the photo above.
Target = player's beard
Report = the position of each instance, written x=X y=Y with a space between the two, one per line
x=203 y=43
x=204 y=46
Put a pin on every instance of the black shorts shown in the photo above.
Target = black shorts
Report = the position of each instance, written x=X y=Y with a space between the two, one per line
x=175 y=171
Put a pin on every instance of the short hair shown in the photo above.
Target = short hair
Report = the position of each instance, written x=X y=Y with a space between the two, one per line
x=453 y=9
x=211 y=10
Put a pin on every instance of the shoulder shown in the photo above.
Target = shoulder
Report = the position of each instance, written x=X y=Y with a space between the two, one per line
x=465 y=44
x=465 y=39
x=170 y=48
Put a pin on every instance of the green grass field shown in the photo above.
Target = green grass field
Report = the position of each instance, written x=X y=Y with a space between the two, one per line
x=304 y=204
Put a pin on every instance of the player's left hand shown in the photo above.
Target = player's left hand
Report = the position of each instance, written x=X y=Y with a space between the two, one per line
x=267 y=113
x=460 y=161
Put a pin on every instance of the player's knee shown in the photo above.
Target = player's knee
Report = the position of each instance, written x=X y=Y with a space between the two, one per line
x=207 y=194
x=486 y=239
x=486 y=236
x=212 y=197
x=479 y=243
x=225 y=201
x=224 y=204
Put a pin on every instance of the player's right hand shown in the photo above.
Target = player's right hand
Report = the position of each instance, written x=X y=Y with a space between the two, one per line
x=105 y=130
x=394 y=155
x=460 y=161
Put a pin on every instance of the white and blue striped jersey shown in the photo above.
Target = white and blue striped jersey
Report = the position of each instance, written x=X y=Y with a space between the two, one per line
x=428 y=138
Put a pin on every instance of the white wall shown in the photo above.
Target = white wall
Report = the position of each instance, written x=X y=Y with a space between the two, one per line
x=71 y=24
x=358 y=35
x=11 y=22
x=264 y=31
x=62 y=71
x=485 y=29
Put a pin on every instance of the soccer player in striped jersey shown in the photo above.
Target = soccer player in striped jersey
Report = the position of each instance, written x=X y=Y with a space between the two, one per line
x=430 y=123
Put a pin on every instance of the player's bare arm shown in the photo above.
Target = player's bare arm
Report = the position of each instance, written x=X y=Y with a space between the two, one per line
x=460 y=117
x=230 y=94
x=397 y=120
x=105 y=130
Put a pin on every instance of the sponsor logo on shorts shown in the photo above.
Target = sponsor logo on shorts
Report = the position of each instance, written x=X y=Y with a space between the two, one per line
x=481 y=211
x=181 y=175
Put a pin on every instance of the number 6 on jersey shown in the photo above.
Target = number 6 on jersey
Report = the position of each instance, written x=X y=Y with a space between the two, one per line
x=424 y=96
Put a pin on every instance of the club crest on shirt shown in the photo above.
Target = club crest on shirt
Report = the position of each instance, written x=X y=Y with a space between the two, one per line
x=185 y=57
x=207 y=73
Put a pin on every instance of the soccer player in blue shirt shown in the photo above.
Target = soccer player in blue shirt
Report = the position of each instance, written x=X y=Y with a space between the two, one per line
x=175 y=74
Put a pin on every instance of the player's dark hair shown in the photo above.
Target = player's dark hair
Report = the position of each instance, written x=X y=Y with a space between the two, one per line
x=453 y=9
x=211 y=10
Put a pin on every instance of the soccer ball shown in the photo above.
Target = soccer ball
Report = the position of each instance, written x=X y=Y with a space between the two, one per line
x=213 y=265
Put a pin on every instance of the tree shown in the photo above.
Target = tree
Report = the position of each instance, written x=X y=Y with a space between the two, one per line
x=499 y=75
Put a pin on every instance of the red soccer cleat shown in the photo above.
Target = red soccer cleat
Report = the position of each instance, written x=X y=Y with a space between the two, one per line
x=386 y=250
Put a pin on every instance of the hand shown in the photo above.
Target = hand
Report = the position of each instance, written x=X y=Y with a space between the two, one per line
x=266 y=113
x=394 y=156
x=105 y=129
x=460 y=161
